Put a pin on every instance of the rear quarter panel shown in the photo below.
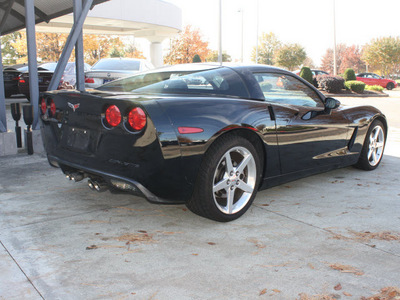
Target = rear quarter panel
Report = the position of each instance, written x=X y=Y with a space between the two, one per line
x=218 y=116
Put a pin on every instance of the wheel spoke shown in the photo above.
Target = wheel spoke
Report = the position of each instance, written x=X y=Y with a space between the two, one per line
x=229 y=200
x=220 y=185
x=379 y=145
x=243 y=164
x=374 y=159
x=376 y=134
x=228 y=161
x=245 y=187
x=370 y=153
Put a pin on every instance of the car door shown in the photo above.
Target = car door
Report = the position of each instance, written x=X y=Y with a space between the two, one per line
x=308 y=138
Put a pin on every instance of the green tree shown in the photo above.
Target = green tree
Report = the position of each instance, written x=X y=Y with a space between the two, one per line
x=268 y=45
x=291 y=56
x=9 y=53
x=383 y=54
x=213 y=56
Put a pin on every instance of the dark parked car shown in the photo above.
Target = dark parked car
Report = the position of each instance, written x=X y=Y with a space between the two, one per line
x=375 y=79
x=205 y=135
x=45 y=73
x=109 y=69
x=11 y=77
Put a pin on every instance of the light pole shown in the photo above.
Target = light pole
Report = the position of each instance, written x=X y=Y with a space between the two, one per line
x=257 y=7
x=241 y=37
x=220 y=33
x=334 y=39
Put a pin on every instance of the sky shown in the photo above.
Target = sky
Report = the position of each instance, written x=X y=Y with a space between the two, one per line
x=307 y=22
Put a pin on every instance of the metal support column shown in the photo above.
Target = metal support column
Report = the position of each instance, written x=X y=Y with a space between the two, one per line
x=3 y=118
x=76 y=31
x=32 y=60
x=79 y=64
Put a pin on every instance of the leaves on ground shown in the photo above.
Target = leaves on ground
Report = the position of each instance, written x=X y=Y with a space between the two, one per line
x=338 y=287
x=264 y=291
x=366 y=236
x=387 y=293
x=382 y=236
x=347 y=269
x=316 y=297
x=91 y=247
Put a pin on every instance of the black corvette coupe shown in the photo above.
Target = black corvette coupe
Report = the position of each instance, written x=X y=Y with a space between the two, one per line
x=206 y=135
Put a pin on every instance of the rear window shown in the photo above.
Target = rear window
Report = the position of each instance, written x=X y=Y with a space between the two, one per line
x=117 y=64
x=217 y=81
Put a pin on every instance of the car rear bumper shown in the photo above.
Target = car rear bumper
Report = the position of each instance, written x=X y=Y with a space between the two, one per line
x=112 y=180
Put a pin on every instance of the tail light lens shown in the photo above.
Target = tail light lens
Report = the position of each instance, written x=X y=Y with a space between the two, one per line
x=52 y=108
x=137 y=119
x=43 y=106
x=89 y=80
x=113 y=115
x=21 y=80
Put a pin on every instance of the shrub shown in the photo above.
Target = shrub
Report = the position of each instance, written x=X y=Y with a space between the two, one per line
x=306 y=74
x=266 y=86
x=196 y=58
x=376 y=88
x=331 y=84
x=355 y=86
x=349 y=75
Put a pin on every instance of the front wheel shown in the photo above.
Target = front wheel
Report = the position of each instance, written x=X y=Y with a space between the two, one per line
x=228 y=180
x=374 y=145
x=390 y=86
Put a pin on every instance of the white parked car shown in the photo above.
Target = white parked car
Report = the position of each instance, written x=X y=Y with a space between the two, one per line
x=109 y=69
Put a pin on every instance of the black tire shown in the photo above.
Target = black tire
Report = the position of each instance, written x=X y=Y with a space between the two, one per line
x=216 y=184
x=390 y=86
x=373 y=148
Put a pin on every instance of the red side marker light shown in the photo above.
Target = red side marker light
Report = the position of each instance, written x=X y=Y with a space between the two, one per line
x=188 y=130
x=113 y=115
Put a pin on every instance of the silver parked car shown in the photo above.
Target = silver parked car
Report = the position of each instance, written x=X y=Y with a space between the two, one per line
x=109 y=69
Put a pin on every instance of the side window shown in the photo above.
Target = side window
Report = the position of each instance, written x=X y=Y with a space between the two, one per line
x=286 y=89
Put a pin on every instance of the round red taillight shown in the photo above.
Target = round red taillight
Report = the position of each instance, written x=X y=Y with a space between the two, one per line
x=52 y=108
x=113 y=115
x=43 y=106
x=137 y=118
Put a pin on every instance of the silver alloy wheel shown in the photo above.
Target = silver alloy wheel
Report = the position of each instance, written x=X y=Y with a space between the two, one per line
x=376 y=145
x=234 y=180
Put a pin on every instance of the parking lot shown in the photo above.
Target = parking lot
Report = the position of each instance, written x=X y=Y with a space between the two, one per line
x=336 y=234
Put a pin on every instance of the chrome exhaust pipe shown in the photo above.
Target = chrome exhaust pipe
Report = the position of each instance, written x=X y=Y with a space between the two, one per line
x=91 y=184
x=99 y=186
x=77 y=176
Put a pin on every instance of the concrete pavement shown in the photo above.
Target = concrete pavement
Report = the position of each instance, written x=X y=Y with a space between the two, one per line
x=336 y=234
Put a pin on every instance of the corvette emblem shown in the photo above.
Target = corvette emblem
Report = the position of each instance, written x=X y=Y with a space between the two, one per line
x=74 y=106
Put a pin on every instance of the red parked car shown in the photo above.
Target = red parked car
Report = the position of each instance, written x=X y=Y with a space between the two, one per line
x=374 y=79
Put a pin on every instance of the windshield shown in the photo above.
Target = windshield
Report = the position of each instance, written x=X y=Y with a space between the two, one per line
x=117 y=64
x=48 y=66
x=219 y=81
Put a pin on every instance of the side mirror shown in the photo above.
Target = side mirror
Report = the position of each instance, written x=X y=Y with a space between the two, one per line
x=331 y=103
